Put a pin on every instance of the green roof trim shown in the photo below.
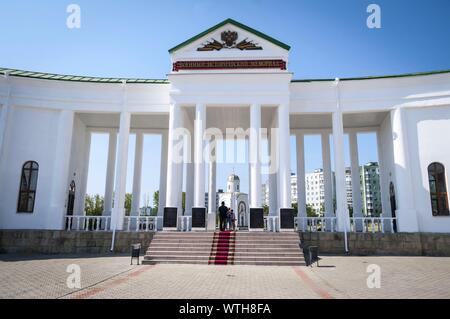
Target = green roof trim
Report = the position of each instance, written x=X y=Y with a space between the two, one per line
x=237 y=24
x=78 y=78
x=375 y=77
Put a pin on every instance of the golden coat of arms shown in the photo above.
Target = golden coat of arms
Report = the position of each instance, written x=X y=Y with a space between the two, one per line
x=229 y=39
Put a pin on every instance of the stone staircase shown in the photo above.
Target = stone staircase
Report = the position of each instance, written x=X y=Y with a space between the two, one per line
x=225 y=248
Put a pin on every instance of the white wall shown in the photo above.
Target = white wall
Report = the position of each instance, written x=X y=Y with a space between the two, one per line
x=428 y=130
x=32 y=137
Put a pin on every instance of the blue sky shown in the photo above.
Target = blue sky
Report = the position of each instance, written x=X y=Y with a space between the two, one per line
x=130 y=39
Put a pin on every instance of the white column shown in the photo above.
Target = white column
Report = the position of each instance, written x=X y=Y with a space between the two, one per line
x=301 y=187
x=190 y=168
x=356 y=187
x=254 y=156
x=138 y=153
x=199 y=178
x=284 y=165
x=212 y=188
x=162 y=177
x=84 y=178
x=173 y=158
x=6 y=113
x=273 y=176
x=180 y=189
x=60 y=184
x=406 y=212
x=118 y=212
x=343 y=220
x=327 y=175
x=384 y=184
x=110 y=167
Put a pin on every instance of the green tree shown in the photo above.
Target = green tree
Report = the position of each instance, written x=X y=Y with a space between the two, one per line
x=310 y=211
x=295 y=207
x=128 y=198
x=155 y=203
x=94 y=205
x=266 y=210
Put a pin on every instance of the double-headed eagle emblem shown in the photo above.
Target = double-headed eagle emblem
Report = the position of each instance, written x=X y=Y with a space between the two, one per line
x=229 y=39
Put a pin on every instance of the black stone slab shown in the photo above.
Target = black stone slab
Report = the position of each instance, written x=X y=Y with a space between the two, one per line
x=286 y=218
x=170 y=217
x=256 y=218
x=199 y=217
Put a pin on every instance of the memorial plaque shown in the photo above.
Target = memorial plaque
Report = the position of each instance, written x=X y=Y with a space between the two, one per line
x=256 y=218
x=287 y=218
x=170 y=217
x=198 y=217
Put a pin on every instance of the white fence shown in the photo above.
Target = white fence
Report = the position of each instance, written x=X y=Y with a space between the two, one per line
x=357 y=224
x=103 y=223
x=315 y=224
x=88 y=223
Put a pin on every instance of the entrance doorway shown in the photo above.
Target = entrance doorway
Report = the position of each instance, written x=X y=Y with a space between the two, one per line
x=71 y=199
x=393 y=206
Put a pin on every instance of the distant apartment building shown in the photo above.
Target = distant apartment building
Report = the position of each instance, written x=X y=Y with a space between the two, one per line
x=315 y=189
x=370 y=189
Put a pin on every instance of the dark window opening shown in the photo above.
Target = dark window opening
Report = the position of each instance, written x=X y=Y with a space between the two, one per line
x=438 y=189
x=28 y=186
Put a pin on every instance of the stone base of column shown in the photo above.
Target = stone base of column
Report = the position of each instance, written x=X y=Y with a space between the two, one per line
x=212 y=221
x=256 y=219
x=170 y=217
x=287 y=219
x=199 y=217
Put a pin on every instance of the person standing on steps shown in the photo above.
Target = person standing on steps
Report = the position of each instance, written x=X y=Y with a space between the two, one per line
x=223 y=210
x=231 y=220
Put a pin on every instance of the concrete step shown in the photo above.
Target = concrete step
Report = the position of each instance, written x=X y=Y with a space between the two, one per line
x=170 y=261
x=176 y=257
x=245 y=248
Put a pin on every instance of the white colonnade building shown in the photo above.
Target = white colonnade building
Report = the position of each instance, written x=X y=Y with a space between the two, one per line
x=230 y=76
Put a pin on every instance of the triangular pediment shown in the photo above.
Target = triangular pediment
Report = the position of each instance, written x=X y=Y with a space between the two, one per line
x=218 y=43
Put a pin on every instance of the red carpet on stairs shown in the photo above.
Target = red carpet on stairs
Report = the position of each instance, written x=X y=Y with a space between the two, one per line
x=222 y=251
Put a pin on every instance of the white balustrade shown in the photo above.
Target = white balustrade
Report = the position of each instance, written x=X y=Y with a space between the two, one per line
x=315 y=224
x=103 y=223
x=357 y=224
x=271 y=223
x=88 y=223
x=185 y=223
x=372 y=224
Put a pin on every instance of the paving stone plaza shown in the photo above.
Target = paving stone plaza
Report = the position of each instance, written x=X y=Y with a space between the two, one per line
x=114 y=277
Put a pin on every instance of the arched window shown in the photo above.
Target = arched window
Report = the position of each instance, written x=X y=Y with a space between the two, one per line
x=28 y=184
x=438 y=189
